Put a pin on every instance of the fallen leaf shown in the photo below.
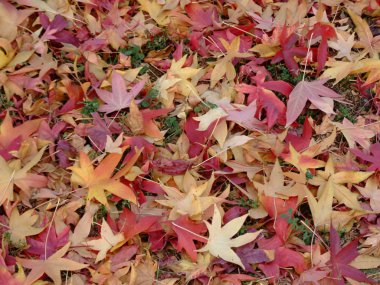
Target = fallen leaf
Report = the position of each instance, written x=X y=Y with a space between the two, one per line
x=51 y=266
x=318 y=94
x=100 y=179
x=120 y=98
x=107 y=240
x=21 y=226
x=220 y=240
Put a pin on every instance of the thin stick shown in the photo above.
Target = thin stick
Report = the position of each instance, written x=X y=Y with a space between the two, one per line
x=307 y=55
x=241 y=30
x=218 y=153
x=316 y=234
x=9 y=184
x=51 y=222
x=182 y=228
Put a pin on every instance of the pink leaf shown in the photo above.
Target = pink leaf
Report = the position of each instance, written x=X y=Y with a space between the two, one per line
x=314 y=91
x=120 y=98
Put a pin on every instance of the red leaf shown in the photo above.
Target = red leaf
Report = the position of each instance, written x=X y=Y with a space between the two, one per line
x=201 y=18
x=284 y=257
x=170 y=166
x=340 y=259
x=187 y=231
x=11 y=137
x=133 y=225
x=288 y=52
x=326 y=32
x=197 y=138
x=275 y=108
x=300 y=143
x=276 y=206
x=100 y=129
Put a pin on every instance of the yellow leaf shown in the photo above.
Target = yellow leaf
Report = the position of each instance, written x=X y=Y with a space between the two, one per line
x=155 y=11
x=321 y=210
x=366 y=262
x=265 y=50
x=20 y=177
x=21 y=226
x=193 y=202
x=225 y=66
x=365 y=35
x=220 y=241
x=6 y=52
x=106 y=242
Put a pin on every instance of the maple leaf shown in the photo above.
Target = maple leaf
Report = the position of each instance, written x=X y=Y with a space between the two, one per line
x=10 y=176
x=143 y=272
x=194 y=202
x=83 y=227
x=21 y=226
x=48 y=242
x=9 y=14
x=131 y=224
x=7 y=278
x=201 y=18
x=114 y=146
x=284 y=257
x=250 y=255
x=373 y=159
x=340 y=259
x=171 y=166
x=355 y=134
x=367 y=40
x=225 y=66
x=343 y=46
x=150 y=127
x=302 y=161
x=196 y=137
x=99 y=179
x=337 y=179
x=313 y=276
x=372 y=192
x=208 y=118
x=325 y=32
x=301 y=142
x=318 y=94
x=321 y=210
x=51 y=266
x=289 y=51
x=275 y=108
x=245 y=116
x=120 y=98
x=220 y=240
x=106 y=242
x=179 y=78
x=187 y=231
x=274 y=187
x=100 y=129
x=11 y=137
x=338 y=70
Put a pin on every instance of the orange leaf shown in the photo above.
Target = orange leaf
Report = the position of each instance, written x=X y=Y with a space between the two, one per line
x=99 y=179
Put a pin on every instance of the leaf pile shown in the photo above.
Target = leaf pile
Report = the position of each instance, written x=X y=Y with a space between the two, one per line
x=189 y=142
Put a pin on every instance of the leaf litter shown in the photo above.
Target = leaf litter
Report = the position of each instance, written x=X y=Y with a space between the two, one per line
x=202 y=142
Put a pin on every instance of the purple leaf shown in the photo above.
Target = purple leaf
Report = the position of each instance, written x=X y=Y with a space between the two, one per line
x=120 y=98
